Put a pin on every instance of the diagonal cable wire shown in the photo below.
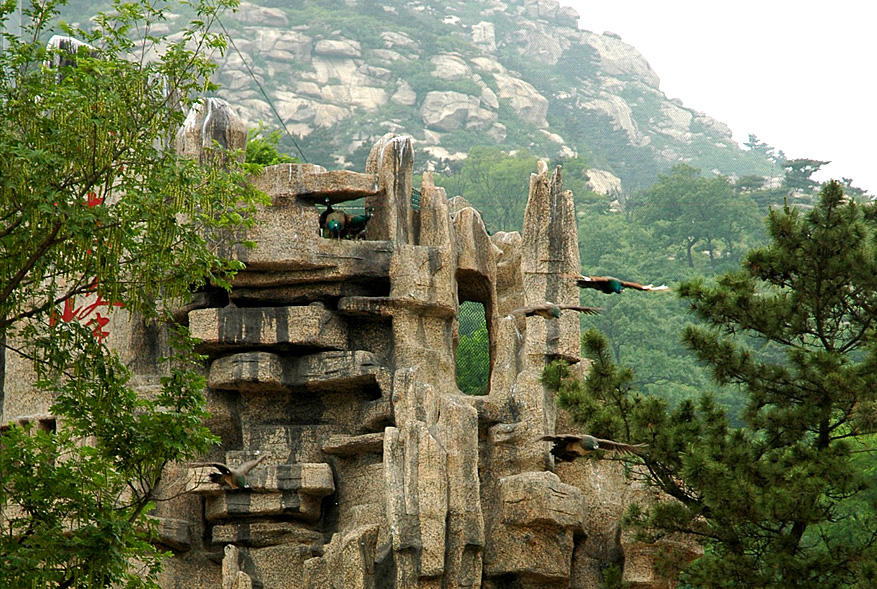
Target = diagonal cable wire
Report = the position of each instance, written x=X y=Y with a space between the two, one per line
x=262 y=90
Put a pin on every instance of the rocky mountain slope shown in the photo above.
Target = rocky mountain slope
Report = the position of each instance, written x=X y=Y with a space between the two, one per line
x=519 y=74
x=458 y=73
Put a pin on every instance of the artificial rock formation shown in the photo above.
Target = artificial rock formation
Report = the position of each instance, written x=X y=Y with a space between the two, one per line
x=336 y=357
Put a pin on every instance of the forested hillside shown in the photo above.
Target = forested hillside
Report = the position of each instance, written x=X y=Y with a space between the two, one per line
x=456 y=74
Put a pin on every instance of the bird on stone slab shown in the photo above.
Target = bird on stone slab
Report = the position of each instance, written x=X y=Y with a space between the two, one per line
x=336 y=223
x=552 y=311
x=355 y=224
x=324 y=215
x=568 y=447
x=610 y=284
x=236 y=477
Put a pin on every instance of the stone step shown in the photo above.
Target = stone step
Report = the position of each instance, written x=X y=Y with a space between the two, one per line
x=294 y=490
x=308 y=327
x=258 y=534
x=174 y=533
x=388 y=306
x=354 y=445
x=265 y=372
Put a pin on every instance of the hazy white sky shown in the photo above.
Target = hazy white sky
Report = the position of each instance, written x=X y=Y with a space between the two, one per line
x=801 y=75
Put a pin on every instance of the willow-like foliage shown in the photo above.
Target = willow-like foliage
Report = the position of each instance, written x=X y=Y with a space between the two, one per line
x=98 y=213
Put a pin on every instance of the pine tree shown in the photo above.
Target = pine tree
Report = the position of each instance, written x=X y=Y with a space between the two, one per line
x=784 y=500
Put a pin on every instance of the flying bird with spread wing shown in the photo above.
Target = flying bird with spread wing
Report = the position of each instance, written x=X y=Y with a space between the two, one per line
x=236 y=477
x=610 y=284
x=568 y=447
x=552 y=311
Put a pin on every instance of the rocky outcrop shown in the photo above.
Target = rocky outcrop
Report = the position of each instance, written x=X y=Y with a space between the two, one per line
x=619 y=59
x=211 y=123
x=617 y=109
x=451 y=111
x=523 y=98
x=604 y=182
x=336 y=360
x=481 y=67
x=251 y=14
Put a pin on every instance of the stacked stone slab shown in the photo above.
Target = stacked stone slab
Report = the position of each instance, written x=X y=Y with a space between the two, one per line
x=336 y=357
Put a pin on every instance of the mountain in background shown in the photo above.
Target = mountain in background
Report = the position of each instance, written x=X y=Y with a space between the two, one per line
x=454 y=74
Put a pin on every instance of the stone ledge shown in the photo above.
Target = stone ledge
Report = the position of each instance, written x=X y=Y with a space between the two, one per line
x=311 y=326
x=294 y=490
x=308 y=181
x=353 y=445
x=251 y=372
x=312 y=478
x=258 y=534
x=388 y=306
x=174 y=533
x=265 y=372
x=290 y=251
x=534 y=537
x=540 y=499
x=490 y=411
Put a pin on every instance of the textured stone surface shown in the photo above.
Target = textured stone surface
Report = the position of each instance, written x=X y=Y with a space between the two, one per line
x=314 y=182
x=265 y=534
x=211 y=120
x=266 y=372
x=353 y=445
x=337 y=359
x=523 y=98
x=293 y=490
x=348 y=562
x=550 y=264
x=232 y=575
x=391 y=159
x=312 y=326
x=175 y=533
x=446 y=111
x=529 y=502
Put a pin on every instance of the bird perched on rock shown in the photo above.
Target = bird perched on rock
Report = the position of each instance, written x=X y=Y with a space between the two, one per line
x=236 y=477
x=552 y=311
x=610 y=284
x=568 y=447
x=336 y=222
x=324 y=215
x=355 y=224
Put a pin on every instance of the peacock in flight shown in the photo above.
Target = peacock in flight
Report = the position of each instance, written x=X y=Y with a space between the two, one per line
x=234 y=478
x=552 y=310
x=568 y=447
x=612 y=285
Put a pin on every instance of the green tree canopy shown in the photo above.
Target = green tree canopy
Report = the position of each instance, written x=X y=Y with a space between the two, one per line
x=688 y=211
x=798 y=172
x=262 y=150
x=495 y=183
x=782 y=501
x=97 y=212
